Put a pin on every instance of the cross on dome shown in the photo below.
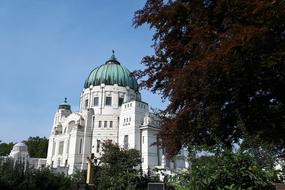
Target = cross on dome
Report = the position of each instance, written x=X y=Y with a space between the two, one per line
x=113 y=58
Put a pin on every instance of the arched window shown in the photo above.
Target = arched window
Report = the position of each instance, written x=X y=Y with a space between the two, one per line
x=96 y=101
x=80 y=146
x=93 y=121
x=108 y=101
x=126 y=141
x=60 y=148
x=121 y=101
x=98 y=146
x=53 y=148
x=71 y=125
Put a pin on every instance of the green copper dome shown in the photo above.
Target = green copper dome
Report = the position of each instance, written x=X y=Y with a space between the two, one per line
x=64 y=105
x=110 y=73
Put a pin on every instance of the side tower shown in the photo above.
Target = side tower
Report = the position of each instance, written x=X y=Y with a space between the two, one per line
x=139 y=129
x=131 y=119
x=54 y=149
x=66 y=140
x=151 y=151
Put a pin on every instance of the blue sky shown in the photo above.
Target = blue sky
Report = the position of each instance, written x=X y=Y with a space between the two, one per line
x=48 y=48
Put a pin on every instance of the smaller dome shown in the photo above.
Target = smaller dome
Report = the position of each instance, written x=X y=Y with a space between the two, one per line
x=64 y=105
x=20 y=147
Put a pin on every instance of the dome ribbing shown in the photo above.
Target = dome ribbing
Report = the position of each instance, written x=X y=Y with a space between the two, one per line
x=110 y=73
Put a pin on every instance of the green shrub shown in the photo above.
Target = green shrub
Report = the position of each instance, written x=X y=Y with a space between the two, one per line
x=14 y=176
x=227 y=171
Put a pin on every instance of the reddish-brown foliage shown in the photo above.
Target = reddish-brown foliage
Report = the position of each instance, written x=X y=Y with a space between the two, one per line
x=221 y=65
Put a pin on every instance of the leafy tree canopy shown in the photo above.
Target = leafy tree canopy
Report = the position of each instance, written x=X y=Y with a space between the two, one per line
x=37 y=146
x=5 y=148
x=221 y=65
x=117 y=168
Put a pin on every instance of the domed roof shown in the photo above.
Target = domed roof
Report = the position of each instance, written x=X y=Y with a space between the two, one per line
x=20 y=147
x=64 y=105
x=110 y=73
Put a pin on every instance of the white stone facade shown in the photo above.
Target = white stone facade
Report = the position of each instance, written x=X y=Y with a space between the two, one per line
x=107 y=112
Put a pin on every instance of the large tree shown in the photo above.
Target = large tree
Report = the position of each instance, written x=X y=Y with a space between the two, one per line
x=221 y=65
x=5 y=148
x=37 y=146
x=117 y=168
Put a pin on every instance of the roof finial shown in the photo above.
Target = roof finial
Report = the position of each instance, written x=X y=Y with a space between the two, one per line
x=113 y=58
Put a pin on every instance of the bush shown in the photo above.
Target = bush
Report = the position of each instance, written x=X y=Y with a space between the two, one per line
x=226 y=170
x=17 y=177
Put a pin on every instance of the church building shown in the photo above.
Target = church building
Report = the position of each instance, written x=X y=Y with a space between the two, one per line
x=111 y=109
